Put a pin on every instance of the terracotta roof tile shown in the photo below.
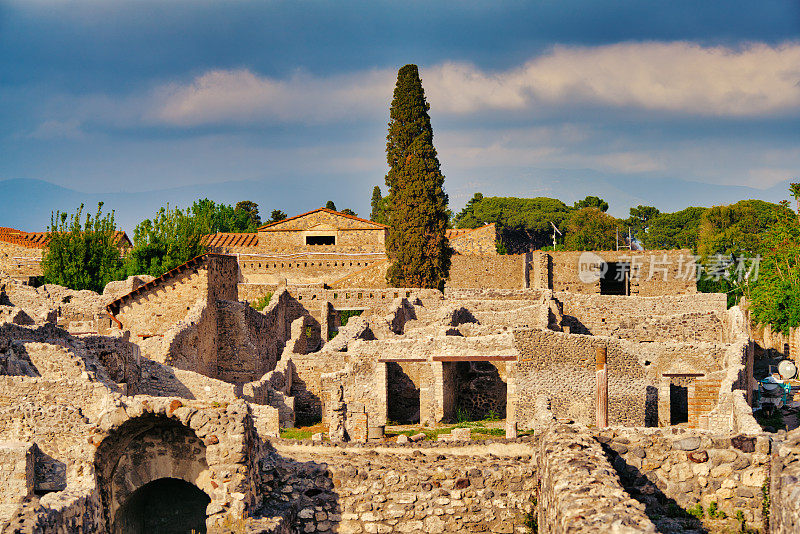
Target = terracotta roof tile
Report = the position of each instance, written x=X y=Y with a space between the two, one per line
x=229 y=239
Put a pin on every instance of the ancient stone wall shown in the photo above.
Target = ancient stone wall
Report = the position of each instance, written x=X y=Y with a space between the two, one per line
x=652 y=273
x=667 y=315
x=691 y=468
x=478 y=271
x=307 y=382
x=369 y=490
x=784 y=476
x=304 y=268
x=562 y=367
x=351 y=233
x=477 y=241
x=19 y=261
x=579 y=492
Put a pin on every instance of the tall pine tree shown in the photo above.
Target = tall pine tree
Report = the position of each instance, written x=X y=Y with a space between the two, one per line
x=417 y=244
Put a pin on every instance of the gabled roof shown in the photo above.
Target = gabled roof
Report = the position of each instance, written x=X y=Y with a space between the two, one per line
x=41 y=239
x=268 y=227
x=230 y=239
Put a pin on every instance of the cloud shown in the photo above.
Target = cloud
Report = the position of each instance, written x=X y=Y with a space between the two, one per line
x=681 y=77
x=675 y=77
x=240 y=96
x=55 y=129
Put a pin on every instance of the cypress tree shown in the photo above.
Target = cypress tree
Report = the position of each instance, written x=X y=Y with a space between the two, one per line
x=416 y=244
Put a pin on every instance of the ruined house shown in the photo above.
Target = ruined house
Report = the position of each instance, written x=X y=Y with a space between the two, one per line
x=157 y=404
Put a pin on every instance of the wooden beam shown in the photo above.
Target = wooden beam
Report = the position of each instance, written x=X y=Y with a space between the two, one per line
x=497 y=358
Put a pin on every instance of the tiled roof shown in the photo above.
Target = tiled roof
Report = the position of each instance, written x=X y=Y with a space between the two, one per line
x=41 y=239
x=221 y=239
x=326 y=210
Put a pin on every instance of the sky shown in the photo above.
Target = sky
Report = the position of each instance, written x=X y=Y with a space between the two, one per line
x=139 y=103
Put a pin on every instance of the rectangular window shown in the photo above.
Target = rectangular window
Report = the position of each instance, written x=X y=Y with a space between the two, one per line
x=320 y=240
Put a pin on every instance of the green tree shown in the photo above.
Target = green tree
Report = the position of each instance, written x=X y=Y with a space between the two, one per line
x=640 y=218
x=794 y=189
x=416 y=244
x=211 y=217
x=522 y=223
x=277 y=215
x=169 y=239
x=82 y=255
x=348 y=211
x=380 y=206
x=592 y=202
x=728 y=234
x=775 y=293
x=251 y=209
x=674 y=230
x=591 y=229
x=330 y=205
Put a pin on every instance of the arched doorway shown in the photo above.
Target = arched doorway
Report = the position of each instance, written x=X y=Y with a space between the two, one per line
x=140 y=461
x=166 y=506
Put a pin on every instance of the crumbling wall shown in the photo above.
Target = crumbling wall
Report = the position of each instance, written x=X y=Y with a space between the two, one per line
x=660 y=317
x=653 y=273
x=691 y=468
x=562 y=367
x=476 y=241
x=477 y=271
x=579 y=492
x=379 y=491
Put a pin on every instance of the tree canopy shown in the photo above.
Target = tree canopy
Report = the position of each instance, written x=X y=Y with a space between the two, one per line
x=522 y=223
x=591 y=229
x=592 y=202
x=171 y=238
x=417 y=242
x=82 y=254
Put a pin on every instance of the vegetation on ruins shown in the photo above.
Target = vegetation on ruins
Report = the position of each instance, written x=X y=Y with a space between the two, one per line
x=728 y=235
x=171 y=238
x=417 y=243
x=82 y=254
x=261 y=302
x=591 y=229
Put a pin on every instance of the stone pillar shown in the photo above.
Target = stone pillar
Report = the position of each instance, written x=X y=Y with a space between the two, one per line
x=664 y=402
x=444 y=391
x=380 y=412
x=427 y=395
x=511 y=400
x=602 y=387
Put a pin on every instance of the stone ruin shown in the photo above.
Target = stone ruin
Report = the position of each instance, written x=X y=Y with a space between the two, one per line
x=157 y=407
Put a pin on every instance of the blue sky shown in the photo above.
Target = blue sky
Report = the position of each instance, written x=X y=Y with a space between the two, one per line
x=285 y=103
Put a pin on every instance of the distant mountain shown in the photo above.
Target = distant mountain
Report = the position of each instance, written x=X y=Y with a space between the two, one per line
x=27 y=204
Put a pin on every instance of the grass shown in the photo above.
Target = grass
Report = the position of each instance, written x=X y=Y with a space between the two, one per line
x=261 y=302
x=304 y=432
x=478 y=429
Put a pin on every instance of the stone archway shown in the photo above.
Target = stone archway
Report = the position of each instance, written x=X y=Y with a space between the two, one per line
x=133 y=462
x=152 y=508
